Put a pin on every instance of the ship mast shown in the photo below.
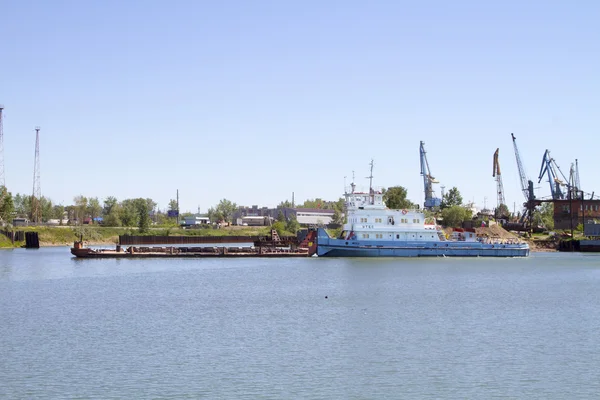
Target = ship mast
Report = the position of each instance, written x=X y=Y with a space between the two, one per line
x=371 y=193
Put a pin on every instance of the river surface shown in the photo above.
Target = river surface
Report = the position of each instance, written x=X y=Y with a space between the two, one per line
x=299 y=328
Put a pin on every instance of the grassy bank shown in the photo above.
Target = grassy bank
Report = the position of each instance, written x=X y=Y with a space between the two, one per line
x=66 y=235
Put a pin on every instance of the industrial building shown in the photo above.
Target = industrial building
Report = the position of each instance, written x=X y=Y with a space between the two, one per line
x=570 y=213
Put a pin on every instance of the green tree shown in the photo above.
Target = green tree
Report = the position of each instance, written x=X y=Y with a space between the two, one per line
x=113 y=217
x=7 y=206
x=22 y=204
x=128 y=213
x=81 y=204
x=58 y=212
x=292 y=225
x=544 y=216
x=109 y=203
x=395 y=198
x=285 y=204
x=281 y=217
x=143 y=217
x=47 y=208
x=214 y=215
x=338 y=217
x=226 y=208
x=94 y=208
x=454 y=216
x=173 y=206
x=451 y=198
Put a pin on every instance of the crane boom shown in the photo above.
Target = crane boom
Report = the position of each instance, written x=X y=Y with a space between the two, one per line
x=548 y=168
x=428 y=180
x=496 y=174
x=522 y=175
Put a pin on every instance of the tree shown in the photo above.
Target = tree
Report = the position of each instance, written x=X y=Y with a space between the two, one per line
x=214 y=215
x=143 y=217
x=173 y=206
x=451 y=198
x=281 y=217
x=128 y=213
x=226 y=209
x=81 y=203
x=7 y=207
x=22 y=205
x=292 y=224
x=94 y=208
x=455 y=215
x=395 y=198
x=109 y=203
x=58 y=212
x=46 y=207
x=544 y=216
x=285 y=204
x=113 y=218
x=338 y=217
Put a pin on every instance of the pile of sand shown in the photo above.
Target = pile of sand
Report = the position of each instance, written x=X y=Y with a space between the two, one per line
x=495 y=231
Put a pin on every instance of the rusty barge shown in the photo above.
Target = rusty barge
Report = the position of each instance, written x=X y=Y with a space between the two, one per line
x=271 y=247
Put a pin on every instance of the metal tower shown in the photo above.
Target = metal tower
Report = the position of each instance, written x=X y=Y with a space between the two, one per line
x=2 y=181
x=36 y=207
x=526 y=187
x=428 y=181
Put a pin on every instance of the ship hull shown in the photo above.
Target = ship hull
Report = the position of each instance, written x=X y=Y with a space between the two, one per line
x=327 y=247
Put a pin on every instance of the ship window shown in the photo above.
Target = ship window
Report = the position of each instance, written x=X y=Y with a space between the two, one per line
x=397 y=236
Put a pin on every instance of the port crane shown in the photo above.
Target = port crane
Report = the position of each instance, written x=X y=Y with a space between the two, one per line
x=428 y=181
x=574 y=185
x=526 y=187
x=549 y=168
x=499 y=186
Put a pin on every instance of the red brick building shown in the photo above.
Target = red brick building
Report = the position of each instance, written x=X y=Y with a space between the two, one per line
x=582 y=210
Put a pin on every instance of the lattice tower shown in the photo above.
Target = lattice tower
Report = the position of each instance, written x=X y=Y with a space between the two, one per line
x=2 y=179
x=36 y=207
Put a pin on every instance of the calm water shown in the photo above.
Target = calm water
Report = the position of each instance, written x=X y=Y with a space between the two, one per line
x=264 y=329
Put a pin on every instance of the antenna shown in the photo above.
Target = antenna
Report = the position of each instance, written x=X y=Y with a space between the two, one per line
x=353 y=185
x=371 y=178
x=36 y=208
x=2 y=181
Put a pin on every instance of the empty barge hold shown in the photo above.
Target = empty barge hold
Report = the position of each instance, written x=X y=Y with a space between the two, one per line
x=272 y=248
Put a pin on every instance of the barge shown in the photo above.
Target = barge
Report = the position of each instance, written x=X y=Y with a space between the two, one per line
x=272 y=248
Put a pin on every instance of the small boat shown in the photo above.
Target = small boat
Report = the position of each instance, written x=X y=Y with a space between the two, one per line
x=373 y=230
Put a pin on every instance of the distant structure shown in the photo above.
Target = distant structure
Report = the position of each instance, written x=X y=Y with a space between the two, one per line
x=36 y=207
x=2 y=179
x=498 y=176
x=428 y=180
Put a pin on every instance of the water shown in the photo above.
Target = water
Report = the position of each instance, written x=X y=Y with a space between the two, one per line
x=299 y=328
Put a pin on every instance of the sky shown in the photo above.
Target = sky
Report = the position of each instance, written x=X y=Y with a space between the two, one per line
x=255 y=100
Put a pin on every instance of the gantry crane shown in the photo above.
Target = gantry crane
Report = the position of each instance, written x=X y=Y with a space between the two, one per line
x=574 y=185
x=428 y=181
x=499 y=186
x=526 y=188
x=549 y=168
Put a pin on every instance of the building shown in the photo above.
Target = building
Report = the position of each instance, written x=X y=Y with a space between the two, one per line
x=194 y=220
x=571 y=213
x=253 y=220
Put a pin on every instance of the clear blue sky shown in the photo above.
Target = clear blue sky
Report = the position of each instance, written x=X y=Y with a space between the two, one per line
x=254 y=100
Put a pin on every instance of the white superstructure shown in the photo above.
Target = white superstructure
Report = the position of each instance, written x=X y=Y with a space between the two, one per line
x=369 y=219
